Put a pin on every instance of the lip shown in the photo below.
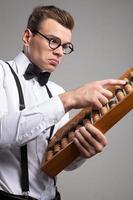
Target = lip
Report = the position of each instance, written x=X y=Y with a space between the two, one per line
x=54 y=61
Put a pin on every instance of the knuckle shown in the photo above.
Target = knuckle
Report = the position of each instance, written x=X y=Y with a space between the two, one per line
x=99 y=148
x=105 y=102
x=76 y=133
x=87 y=155
x=86 y=121
x=105 y=142
x=103 y=139
x=109 y=81
x=94 y=101
x=87 y=126
x=99 y=105
x=92 y=98
x=110 y=93
x=82 y=128
x=93 y=152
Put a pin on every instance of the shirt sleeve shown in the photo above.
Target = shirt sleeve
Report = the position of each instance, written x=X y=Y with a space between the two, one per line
x=20 y=127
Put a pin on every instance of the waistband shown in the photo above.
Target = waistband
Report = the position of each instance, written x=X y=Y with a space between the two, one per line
x=8 y=196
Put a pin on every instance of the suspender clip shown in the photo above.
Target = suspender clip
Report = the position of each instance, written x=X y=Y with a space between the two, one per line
x=25 y=194
x=21 y=106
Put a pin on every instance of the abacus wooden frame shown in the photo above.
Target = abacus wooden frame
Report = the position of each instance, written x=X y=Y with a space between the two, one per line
x=65 y=156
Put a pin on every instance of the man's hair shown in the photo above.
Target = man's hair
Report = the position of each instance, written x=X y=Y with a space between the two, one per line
x=41 y=13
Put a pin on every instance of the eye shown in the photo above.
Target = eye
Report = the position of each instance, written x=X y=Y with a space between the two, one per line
x=55 y=41
x=65 y=46
x=68 y=45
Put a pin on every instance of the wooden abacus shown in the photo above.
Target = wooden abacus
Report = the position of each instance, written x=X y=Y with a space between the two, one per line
x=62 y=150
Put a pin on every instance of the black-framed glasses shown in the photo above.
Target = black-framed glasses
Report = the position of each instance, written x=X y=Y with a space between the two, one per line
x=55 y=42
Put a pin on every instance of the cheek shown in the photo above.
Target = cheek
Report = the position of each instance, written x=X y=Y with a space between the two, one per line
x=39 y=53
x=37 y=47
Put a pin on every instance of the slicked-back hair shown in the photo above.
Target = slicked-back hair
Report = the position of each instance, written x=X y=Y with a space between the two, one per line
x=42 y=13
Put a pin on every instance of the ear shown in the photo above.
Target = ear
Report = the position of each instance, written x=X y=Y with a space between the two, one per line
x=27 y=36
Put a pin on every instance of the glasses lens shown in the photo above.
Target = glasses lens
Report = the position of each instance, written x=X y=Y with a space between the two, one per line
x=67 y=48
x=54 y=43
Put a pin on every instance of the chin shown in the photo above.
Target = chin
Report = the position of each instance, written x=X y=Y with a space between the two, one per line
x=48 y=68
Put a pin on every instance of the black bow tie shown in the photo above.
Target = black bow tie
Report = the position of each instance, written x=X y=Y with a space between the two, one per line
x=33 y=71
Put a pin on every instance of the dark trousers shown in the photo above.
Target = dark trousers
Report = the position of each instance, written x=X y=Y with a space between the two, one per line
x=8 y=196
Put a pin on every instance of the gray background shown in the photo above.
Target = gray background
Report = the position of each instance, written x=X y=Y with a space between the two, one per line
x=103 y=49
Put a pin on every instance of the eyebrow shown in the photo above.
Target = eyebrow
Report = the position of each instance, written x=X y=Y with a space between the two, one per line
x=53 y=36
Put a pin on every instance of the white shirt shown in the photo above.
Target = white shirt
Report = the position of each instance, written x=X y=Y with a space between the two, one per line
x=31 y=125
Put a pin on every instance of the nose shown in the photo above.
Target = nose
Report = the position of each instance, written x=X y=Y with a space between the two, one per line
x=59 y=51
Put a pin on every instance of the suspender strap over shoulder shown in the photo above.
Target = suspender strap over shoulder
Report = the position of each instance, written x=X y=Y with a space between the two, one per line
x=20 y=92
x=23 y=149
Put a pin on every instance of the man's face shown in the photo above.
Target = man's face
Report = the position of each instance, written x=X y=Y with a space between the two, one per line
x=38 y=50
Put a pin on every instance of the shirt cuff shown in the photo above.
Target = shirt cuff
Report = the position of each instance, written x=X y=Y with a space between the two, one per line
x=75 y=164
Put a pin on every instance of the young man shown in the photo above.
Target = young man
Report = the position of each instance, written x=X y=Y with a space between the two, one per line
x=46 y=40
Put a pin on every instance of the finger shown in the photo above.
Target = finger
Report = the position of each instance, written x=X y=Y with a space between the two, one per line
x=103 y=100
x=97 y=134
x=86 y=121
x=108 y=82
x=97 y=104
x=91 y=141
x=84 y=140
x=106 y=93
x=83 y=152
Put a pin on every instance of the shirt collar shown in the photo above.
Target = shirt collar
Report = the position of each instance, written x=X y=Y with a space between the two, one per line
x=22 y=63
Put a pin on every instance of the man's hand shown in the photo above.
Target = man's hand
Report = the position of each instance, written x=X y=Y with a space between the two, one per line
x=89 y=140
x=93 y=94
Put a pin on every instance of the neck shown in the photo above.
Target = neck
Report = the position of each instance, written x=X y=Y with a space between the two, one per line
x=38 y=69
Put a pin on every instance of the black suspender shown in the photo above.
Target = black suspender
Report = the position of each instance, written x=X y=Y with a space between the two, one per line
x=23 y=149
x=52 y=128
x=20 y=92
